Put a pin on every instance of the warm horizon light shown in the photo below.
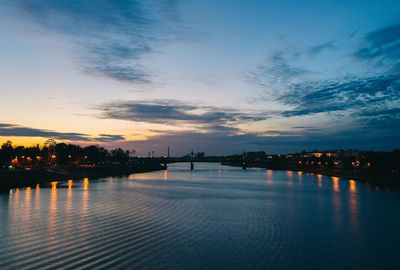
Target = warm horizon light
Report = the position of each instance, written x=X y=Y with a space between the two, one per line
x=213 y=76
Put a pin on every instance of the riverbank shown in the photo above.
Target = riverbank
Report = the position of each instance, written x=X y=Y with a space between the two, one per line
x=381 y=179
x=30 y=178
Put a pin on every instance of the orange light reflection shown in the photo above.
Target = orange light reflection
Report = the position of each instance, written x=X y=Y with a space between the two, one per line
x=28 y=196
x=70 y=182
x=319 y=176
x=52 y=214
x=85 y=183
x=290 y=176
x=16 y=194
x=54 y=184
x=352 y=187
x=269 y=176
x=300 y=174
x=335 y=183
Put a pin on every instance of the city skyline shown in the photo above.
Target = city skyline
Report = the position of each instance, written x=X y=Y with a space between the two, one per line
x=217 y=77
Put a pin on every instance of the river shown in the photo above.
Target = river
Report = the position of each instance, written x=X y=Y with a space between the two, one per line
x=217 y=217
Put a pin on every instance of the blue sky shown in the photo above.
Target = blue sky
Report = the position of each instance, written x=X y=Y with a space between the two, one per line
x=215 y=76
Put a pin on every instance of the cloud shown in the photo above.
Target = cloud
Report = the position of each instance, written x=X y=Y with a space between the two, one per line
x=113 y=35
x=279 y=68
x=3 y=125
x=276 y=73
x=370 y=104
x=381 y=46
x=362 y=94
x=364 y=99
x=109 y=138
x=120 y=73
x=353 y=34
x=20 y=131
x=383 y=112
x=314 y=50
x=307 y=128
x=173 y=111
x=365 y=95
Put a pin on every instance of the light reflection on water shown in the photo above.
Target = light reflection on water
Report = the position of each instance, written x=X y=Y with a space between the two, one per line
x=270 y=176
x=214 y=217
x=300 y=177
x=335 y=181
x=319 y=180
x=352 y=187
x=70 y=183
x=290 y=177
x=52 y=214
x=69 y=208
x=353 y=207
x=54 y=185
x=86 y=184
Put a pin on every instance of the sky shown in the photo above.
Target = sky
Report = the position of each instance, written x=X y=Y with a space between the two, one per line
x=218 y=77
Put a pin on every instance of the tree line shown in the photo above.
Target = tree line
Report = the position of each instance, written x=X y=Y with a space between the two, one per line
x=58 y=154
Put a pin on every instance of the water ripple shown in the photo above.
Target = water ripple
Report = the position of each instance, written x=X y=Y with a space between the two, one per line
x=215 y=218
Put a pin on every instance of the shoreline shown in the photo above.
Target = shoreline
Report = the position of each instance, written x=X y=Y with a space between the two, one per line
x=387 y=181
x=21 y=179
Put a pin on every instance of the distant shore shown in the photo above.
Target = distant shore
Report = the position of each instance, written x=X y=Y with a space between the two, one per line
x=30 y=178
x=384 y=180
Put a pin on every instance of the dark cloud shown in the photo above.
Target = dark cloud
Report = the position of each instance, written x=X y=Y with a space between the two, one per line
x=120 y=73
x=293 y=132
x=222 y=129
x=307 y=128
x=382 y=46
x=109 y=138
x=353 y=34
x=113 y=35
x=314 y=50
x=19 y=131
x=172 y=112
x=384 y=112
x=2 y=125
x=363 y=94
x=371 y=104
x=368 y=104
x=14 y=130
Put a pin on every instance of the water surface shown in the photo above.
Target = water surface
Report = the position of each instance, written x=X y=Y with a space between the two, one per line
x=217 y=217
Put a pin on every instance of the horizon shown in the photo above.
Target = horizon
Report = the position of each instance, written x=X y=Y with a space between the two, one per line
x=161 y=154
x=217 y=77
